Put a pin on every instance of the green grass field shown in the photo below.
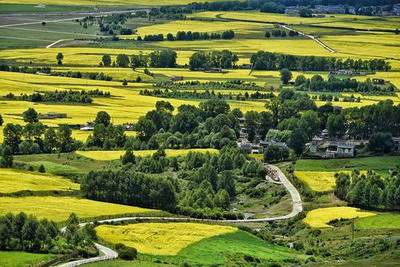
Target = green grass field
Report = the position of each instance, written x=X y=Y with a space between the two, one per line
x=15 y=180
x=380 y=164
x=22 y=259
x=59 y=208
x=380 y=221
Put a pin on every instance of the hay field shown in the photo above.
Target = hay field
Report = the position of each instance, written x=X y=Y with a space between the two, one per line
x=319 y=218
x=160 y=238
x=12 y=180
x=59 y=208
x=114 y=155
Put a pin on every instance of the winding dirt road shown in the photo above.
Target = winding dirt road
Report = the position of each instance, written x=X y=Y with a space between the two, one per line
x=109 y=254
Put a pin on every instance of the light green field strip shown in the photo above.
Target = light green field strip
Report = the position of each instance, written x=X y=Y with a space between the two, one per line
x=16 y=180
x=114 y=155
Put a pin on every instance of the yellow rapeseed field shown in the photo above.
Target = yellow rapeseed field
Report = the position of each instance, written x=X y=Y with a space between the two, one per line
x=114 y=155
x=160 y=238
x=319 y=218
x=317 y=181
x=59 y=208
x=16 y=180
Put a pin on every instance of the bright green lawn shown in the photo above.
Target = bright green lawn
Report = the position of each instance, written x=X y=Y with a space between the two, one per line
x=380 y=221
x=379 y=164
x=22 y=259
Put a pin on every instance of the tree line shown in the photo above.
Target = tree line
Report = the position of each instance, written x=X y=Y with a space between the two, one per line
x=64 y=96
x=263 y=60
x=318 y=84
x=202 y=60
x=210 y=85
x=369 y=190
x=188 y=36
x=165 y=58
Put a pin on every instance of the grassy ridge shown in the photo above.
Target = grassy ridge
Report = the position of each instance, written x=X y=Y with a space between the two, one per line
x=381 y=221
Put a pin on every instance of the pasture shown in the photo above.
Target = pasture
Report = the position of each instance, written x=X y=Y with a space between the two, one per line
x=12 y=181
x=22 y=259
x=114 y=155
x=380 y=221
x=320 y=218
x=381 y=164
x=59 y=208
x=160 y=238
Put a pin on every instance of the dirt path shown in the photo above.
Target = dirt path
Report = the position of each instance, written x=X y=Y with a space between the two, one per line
x=109 y=254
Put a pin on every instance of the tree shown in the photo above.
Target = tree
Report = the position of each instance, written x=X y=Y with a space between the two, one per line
x=276 y=153
x=103 y=117
x=297 y=141
x=60 y=58
x=164 y=106
x=6 y=160
x=12 y=136
x=342 y=185
x=41 y=169
x=336 y=125
x=30 y=115
x=128 y=157
x=267 y=34
x=106 y=59
x=122 y=60
x=50 y=140
x=1 y=120
x=286 y=76
x=380 y=142
x=305 y=13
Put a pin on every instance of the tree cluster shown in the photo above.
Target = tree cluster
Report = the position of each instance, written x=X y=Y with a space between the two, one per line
x=369 y=190
x=263 y=60
x=317 y=83
x=25 y=69
x=26 y=233
x=202 y=60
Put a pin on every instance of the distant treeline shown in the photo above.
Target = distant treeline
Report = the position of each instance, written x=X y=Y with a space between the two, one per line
x=281 y=33
x=89 y=75
x=223 y=85
x=279 y=6
x=202 y=60
x=25 y=69
x=317 y=83
x=204 y=95
x=61 y=96
x=188 y=36
x=263 y=60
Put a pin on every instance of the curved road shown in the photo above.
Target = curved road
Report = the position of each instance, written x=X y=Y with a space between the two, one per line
x=109 y=254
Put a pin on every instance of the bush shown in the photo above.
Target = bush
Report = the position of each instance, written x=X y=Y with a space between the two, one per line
x=41 y=169
x=126 y=253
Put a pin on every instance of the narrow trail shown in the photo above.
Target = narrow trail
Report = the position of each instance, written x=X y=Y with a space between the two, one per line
x=109 y=254
x=57 y=42
x=285 y=26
